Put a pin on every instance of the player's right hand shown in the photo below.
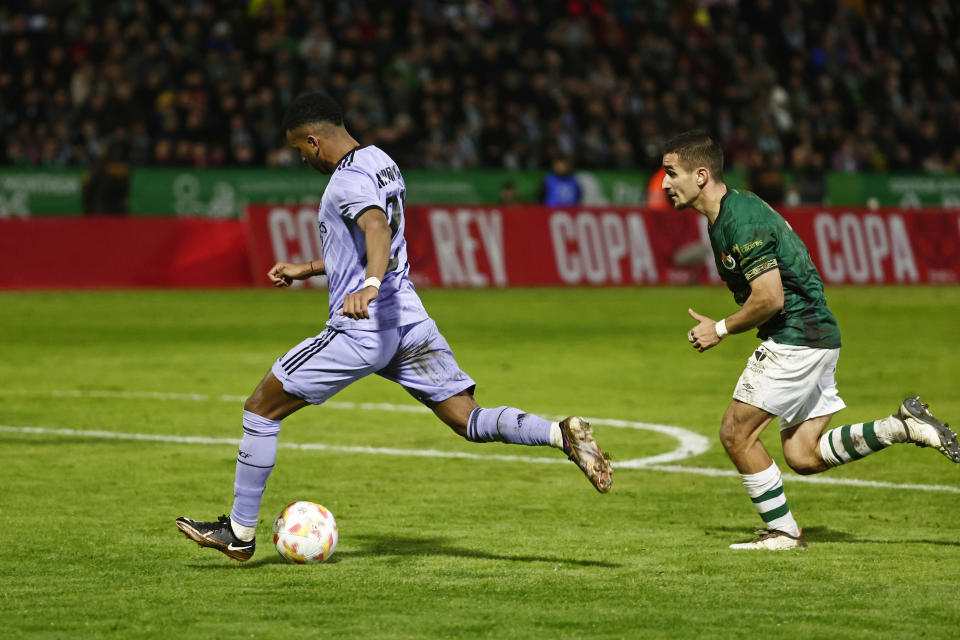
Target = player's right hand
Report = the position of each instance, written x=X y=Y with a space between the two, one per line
x=283 y=274
x=704 y=335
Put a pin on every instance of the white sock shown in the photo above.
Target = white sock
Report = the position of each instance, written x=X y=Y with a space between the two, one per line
x=243 y=532
x=891 y=430
x=854 y=441
x=766 y=491
x=556 y=437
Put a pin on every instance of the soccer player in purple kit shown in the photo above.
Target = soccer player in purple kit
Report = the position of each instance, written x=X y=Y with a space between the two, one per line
x=377 y=324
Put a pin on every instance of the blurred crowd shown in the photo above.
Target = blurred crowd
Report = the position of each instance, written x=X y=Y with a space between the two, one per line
x=804 y=85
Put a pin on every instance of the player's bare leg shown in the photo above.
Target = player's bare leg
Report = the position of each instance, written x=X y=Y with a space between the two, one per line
x=271 y=401
x=811 y=448
x=740 y=436
x=234 y=535
x=801 y=446
x=505 y=424
x=455 y=411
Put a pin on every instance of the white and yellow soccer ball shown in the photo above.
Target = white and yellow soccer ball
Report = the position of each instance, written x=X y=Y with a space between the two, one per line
x=305 y=533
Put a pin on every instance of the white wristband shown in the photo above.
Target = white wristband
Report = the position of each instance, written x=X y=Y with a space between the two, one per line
x=721 y=328
x=371 y=282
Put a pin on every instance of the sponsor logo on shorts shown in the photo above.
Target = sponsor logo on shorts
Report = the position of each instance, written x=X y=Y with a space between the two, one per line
x=756 y=364
x=745 y=392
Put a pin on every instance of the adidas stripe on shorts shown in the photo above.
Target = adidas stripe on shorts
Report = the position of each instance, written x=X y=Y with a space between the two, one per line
x=416 y=356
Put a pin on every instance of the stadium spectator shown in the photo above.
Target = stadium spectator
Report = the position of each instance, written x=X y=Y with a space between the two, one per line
x=765 y=177
x=508 y=193
x=560 y=187
x=462 y=84
x=107 y=185
x=656 y=196
x=810 y=180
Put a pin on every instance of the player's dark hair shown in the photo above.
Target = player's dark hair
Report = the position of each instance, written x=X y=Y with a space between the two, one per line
x=311 y=108
x=697 y=149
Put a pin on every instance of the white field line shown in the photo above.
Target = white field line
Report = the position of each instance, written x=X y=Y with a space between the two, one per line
x=691 y=443
x=433 y=453
x=232 y=442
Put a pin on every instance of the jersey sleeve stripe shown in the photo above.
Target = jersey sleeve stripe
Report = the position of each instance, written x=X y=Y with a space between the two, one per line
x=365 y=209
x=761 y=269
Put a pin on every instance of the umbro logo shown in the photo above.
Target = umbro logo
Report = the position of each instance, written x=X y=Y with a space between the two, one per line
x=760 y=355
x=747 y=386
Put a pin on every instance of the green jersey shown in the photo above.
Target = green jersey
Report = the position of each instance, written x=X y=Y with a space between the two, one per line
x=749 y=238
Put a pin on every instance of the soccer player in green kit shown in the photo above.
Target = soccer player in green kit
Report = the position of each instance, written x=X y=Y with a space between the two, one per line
x=790 y=375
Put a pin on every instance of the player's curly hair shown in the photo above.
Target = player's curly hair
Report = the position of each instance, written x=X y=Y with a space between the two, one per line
x=311 y=108
x=697 y=149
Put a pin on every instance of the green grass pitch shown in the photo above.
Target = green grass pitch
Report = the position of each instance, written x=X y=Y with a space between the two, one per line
x=448 y=547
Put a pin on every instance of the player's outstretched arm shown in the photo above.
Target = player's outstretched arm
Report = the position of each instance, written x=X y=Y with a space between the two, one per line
x=377 y=231
x=283 y=274
x=765 y=301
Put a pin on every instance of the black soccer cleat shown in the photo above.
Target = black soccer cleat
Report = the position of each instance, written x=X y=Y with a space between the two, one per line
x=218 y=535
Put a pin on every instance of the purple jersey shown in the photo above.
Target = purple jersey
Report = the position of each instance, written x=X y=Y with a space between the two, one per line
x=366 y=178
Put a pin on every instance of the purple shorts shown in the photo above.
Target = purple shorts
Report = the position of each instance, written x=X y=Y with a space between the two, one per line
x=415 y=356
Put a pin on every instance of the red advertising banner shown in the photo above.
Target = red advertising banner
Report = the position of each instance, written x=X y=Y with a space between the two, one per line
x=888 y=246
x=468 y=247
x=282 y=233
x=539 y=246
x=64 y=253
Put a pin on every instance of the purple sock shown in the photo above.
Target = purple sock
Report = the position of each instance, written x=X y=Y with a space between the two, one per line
x=506 y=424
x=255 y=459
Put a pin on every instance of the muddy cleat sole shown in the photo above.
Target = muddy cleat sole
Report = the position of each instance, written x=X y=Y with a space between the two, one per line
x=772 y=540
x=580 y=447
x=218 y=535
x=926 y=431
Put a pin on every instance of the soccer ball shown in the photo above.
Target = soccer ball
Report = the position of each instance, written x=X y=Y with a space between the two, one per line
x=305 y=533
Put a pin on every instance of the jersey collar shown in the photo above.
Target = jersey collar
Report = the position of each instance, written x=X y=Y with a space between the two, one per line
x=347 y=159
x=723 y=201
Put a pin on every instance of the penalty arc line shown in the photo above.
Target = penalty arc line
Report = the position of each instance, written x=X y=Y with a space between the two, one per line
x=433 y=453
x=691 y=444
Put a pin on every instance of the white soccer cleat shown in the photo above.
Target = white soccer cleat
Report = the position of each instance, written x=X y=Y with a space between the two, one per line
x=773 y=540
x=926 y=431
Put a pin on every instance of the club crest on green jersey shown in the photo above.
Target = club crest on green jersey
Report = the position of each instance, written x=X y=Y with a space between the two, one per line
x=728 y=261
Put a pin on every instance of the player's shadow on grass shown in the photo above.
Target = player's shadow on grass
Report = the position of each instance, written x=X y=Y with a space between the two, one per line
x=825 y=534
x=384 y=545
x=812 y=534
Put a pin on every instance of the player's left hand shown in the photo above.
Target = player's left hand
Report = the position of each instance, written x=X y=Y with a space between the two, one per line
x=704 y=335
x=355 y=304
